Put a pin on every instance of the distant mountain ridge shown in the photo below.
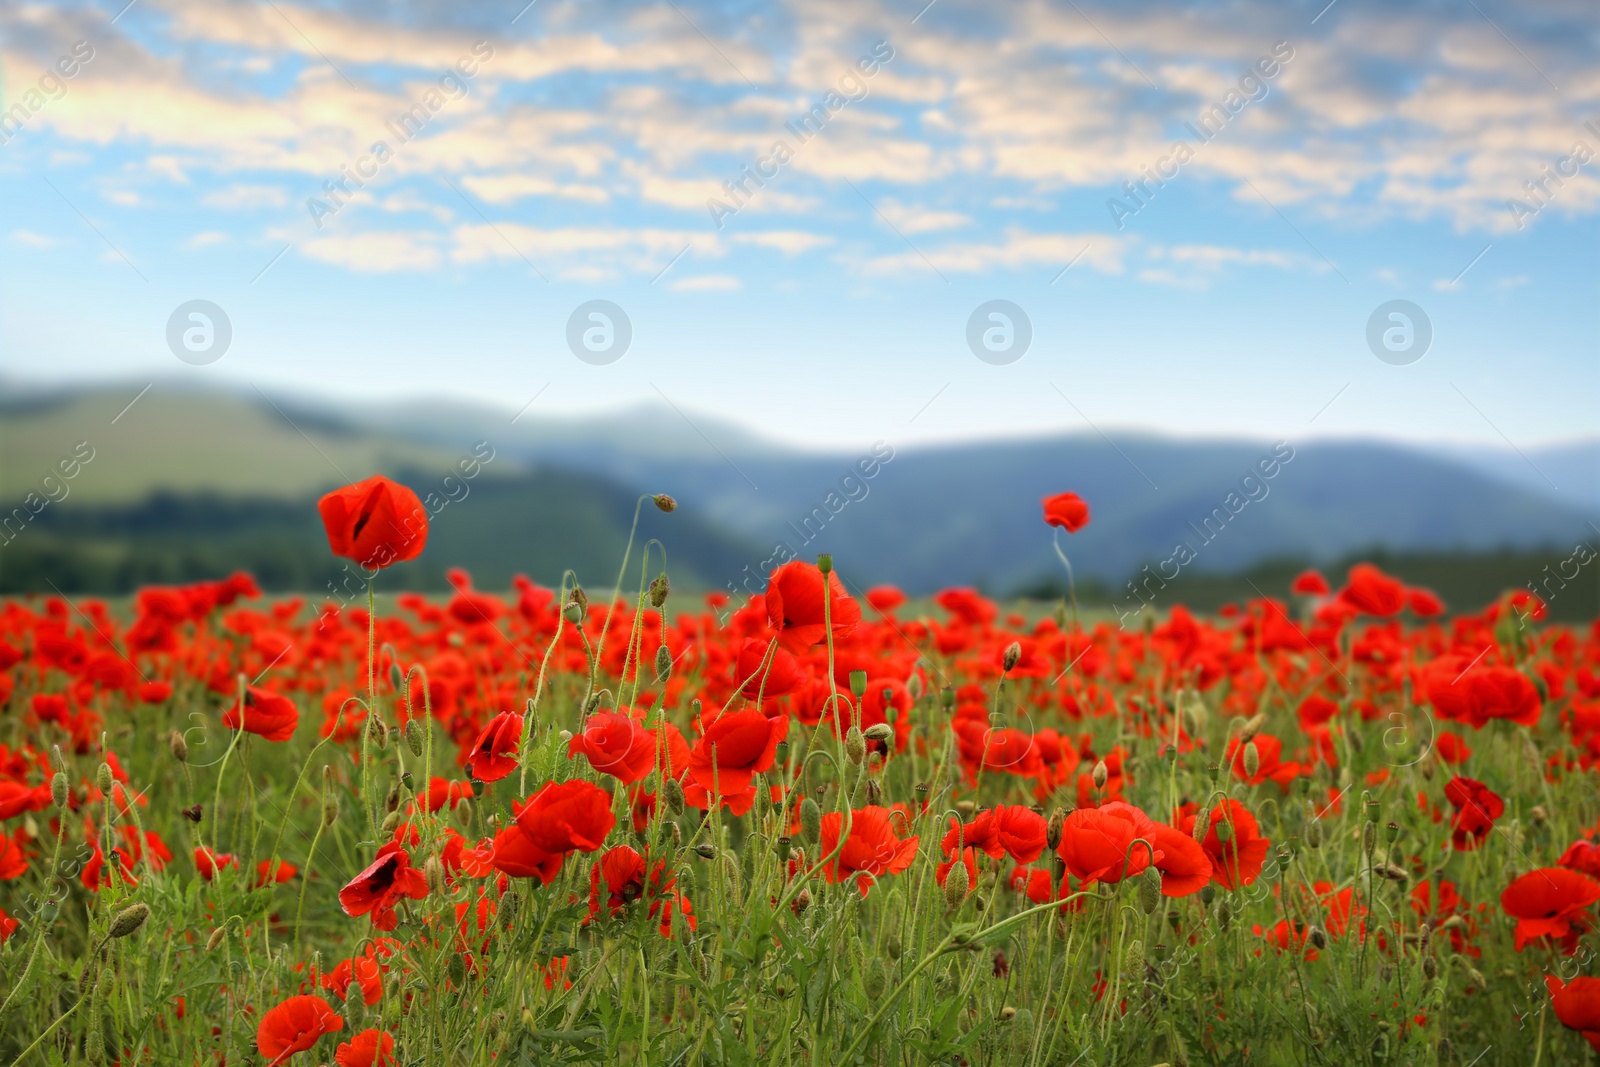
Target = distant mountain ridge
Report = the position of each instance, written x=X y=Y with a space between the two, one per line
x=927 y=516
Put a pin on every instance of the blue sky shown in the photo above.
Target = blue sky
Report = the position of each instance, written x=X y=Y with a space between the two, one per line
x=973 y=152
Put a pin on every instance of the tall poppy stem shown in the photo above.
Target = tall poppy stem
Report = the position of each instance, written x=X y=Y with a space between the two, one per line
x=1072 y=588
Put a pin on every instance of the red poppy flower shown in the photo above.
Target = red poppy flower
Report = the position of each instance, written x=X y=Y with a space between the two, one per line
x=209 y=863
x=573 y=816
x=378 y=888
x=616 y=744
x=1477 y=807
x=1369 y=590
x=1577 y=1005
x=369 y=1048
x=781 y=673
x=267 y=873
x=620 y=871
x=266 y=714
x=13 y=859
x=1185 y=867
x=1066 y=510
x=1463 y=692
x=734 y=748
x=494 y=753
x=1007 y=829
x=1581 y=856
x=375 y=523
x=514 y=854
x=885 y=598
x=1424 y=603
x=871 y=851
x=295 y=1026
x=796 y=606
x=1097 y=844
x=1309 y=583
x=1551 y=902
x=154 y=692
x=1234 y=844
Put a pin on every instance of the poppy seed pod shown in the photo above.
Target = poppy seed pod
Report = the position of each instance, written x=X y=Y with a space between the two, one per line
x=60 y=790
x=956 y=885
x=413 y=735
x=1013 y=653
x=1100 y=774
x=672 y=796
x=659 y=590
x=665 y=502
x=855 y=745
x=1150 y=890
x=810 y=821
x=103 y=778
x=129 y=919
x=1052 y=829
x=825 y=563
x=179 y=747
x=858 y=684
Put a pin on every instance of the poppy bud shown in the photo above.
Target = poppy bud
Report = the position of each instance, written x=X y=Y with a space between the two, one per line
x=60 y=790
x=1252 y=727
x=1369 y=837
x=892 y=947
x=1202 y=824
x=665 y=503
x=1150 y=890
x=508 y=910
x=705 y=851
x=390 y=821
x=663 y=664
x=378 y=732
x=810 y=821
x=1313 y=833
x=129 y=919
x=956 y=884
x=1013 y=653
x=881 y=732
x=855 y=745
x=914 y=686
x=1100 y=774
x=1316 y=938
x=1537 y=815
x=947 y=697
x=216 y=938
x=1224 y=916
x=1430 y=968
x=413 y=734
x=457 y=969
x=677 y=834
x=825 y=564
x=392 y=801
x=1252 y=759
x=433 y=871
x=672 y=796
x=1052 y=829
x=104 y=779
x=659 y=590
x=802 y=901
x=179 y=747
x=464 y=812
x=874 y=791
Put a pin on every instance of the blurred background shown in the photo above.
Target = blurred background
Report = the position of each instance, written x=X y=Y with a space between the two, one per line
x=866 y=278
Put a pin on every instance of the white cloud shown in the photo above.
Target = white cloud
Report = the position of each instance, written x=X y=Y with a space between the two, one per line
x=376 y=252
x=205 y=239
x=706 y=283
x=33 y=240
x=246 y=197
x=789 y=242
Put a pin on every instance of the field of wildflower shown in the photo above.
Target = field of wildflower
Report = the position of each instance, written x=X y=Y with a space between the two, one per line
x=824 y=826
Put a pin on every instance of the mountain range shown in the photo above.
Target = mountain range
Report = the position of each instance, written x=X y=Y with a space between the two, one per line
x=183 y=471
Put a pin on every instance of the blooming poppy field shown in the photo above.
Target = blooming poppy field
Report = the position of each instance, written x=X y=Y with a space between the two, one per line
x=824 y=826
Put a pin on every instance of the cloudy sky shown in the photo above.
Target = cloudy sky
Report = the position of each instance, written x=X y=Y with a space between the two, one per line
x=1199 y=215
